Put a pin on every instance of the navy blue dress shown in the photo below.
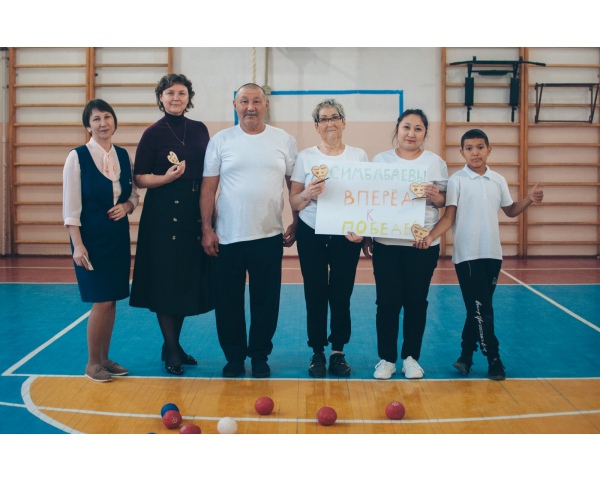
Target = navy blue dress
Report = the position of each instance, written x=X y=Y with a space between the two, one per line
x=107 y=241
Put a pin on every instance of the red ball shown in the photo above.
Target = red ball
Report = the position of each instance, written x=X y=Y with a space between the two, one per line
x=395 y=411
x=326 y=416
x=190 y=428
x=264 y=405
x=172 y=419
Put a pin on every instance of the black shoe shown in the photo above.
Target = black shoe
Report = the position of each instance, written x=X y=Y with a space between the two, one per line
x=189 y=360
x=186 y=360
x=463 y=364
x=234 y=368
x=496 y=370
x=338 y=365
x=317 y=367
x=260 y=368
x=174 y=369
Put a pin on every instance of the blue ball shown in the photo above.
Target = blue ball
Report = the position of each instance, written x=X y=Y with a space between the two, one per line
x=167 y=407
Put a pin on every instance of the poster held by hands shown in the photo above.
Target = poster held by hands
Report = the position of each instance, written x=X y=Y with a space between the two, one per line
x=371 y=199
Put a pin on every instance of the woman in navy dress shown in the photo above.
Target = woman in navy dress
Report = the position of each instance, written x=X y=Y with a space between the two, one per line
x=172 y=274
x=98 y=194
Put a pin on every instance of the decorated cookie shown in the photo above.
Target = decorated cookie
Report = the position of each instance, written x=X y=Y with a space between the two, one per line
x=419 y=232
x=418 y=189
x=172 y=157
x=320 y=171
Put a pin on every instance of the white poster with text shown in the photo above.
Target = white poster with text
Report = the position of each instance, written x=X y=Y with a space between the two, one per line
x=371 y=199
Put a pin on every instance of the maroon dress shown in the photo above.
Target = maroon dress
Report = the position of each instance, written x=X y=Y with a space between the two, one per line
x=172 y=274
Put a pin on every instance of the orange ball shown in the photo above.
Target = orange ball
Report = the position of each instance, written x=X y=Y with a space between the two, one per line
x=395 y=411
x=264 y=405
x=326 y=416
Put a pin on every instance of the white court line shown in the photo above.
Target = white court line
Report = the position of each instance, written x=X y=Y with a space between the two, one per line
x=38 y=411
x=558 y=305
x=267 y=418
x=15 y=405
x=35 y=410
x=32 y=354
x=307 y=379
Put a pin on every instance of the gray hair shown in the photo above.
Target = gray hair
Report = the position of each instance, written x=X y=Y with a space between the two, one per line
x=330 y=102
x=253 y=86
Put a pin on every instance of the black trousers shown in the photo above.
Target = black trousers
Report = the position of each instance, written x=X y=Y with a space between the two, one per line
x=478 y=279
x=328 y=264
x=261 y=261
x=402 y=279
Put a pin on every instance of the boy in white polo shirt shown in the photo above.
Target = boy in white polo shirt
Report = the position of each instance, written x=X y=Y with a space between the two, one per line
x=475 y=194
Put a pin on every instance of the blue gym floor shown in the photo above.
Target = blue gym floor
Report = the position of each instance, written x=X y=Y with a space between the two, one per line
x=545 y=331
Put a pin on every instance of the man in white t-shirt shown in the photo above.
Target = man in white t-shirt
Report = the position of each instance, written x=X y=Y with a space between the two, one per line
x=248 y=164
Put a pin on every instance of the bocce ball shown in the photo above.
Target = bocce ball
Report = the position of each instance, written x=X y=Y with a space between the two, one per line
x=190 y=429
x=264 y=405
x=227 y=425
x=166 y=407
x=172 y=419
x=395 y=411
x=326 y=416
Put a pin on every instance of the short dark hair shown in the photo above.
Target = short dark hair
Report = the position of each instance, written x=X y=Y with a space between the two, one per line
x=252 y=86
x=170 y=80
x=474 y=133
x=406 y=113
x=101 y=106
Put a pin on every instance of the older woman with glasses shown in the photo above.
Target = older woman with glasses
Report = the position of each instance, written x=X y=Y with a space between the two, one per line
x=328 y=262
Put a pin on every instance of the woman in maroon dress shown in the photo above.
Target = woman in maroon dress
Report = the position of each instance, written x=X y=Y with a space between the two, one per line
x=172 y=273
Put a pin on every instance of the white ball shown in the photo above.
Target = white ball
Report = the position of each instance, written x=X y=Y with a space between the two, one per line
x=227 y=425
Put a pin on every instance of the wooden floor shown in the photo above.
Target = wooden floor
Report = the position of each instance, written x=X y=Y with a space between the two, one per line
x=433 y=406
x=71 y=403
x=552 y=304
x=545 y=270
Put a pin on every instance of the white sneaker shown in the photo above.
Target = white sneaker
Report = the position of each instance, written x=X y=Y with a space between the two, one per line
x=384 y=370
x=411 y=369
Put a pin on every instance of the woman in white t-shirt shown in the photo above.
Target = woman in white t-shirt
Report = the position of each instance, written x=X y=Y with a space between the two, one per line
x=328 y=262
x=402 y=277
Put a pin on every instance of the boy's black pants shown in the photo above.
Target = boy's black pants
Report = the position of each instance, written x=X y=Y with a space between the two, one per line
x=478 y=279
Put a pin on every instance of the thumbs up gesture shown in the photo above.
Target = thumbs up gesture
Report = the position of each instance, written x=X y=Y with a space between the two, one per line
x=536 y=194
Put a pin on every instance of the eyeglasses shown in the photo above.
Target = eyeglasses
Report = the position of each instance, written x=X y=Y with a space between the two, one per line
x=333 y=119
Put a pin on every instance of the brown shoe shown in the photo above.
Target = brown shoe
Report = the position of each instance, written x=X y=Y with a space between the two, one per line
x=115 y=369
x=98 y=373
